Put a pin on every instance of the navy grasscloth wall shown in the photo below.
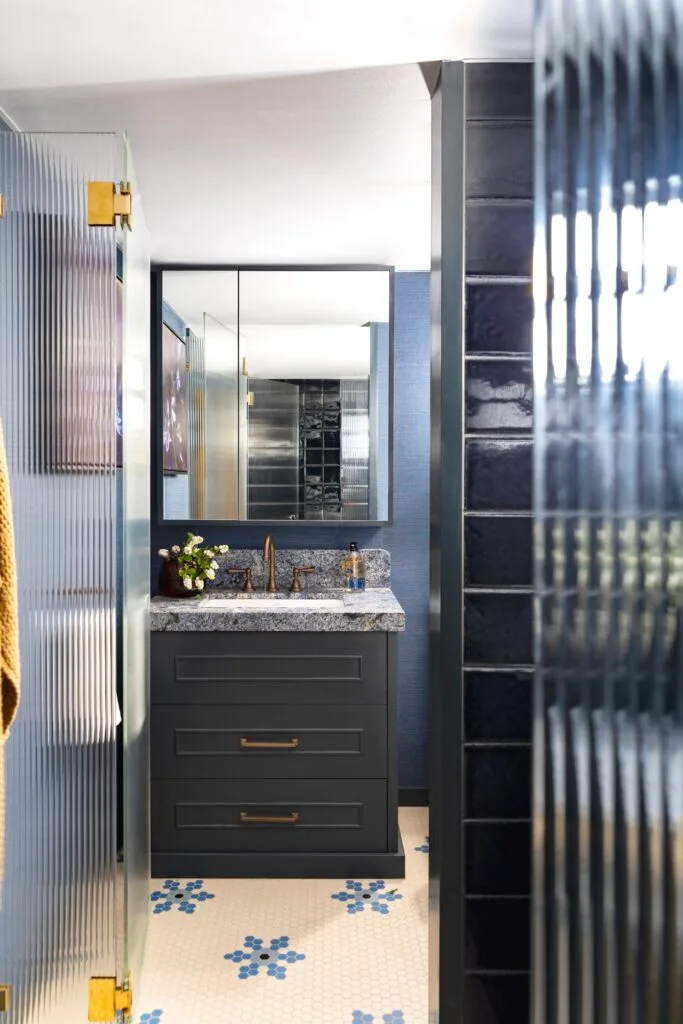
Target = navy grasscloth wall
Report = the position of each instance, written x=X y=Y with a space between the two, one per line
x=407 y=539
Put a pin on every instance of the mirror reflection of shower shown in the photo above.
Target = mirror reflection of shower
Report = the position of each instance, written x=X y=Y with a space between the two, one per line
x=276 y=394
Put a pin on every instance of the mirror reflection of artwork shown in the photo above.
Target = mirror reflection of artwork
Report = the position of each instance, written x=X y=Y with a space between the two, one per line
x=175 y=403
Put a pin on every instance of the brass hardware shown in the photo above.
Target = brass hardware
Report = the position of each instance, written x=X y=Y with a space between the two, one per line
x=105 y=204
x=106 y=999
x=2 y=214
x=250 y=398
x=248 y=581
x=187 y=367
x=268 y=819
x=4 y=998
x=268 y=745
x=269 y=556
x=245 y=368
x=296 y=577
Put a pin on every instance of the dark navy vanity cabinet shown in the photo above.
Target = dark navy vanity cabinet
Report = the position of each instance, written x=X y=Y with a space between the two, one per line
x=274 y=755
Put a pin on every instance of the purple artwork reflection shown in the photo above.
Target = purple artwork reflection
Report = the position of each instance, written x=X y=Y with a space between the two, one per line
x=175 y=403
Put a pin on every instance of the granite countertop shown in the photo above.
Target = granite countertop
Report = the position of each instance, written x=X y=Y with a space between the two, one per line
x=374 y=610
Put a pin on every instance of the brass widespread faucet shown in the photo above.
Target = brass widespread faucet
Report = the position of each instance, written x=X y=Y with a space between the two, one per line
x=269 y=555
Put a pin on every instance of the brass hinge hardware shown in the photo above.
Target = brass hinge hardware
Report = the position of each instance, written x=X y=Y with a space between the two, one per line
x=105 y=1000
x=250 y=397
x=105 y=204
x=245 y=367
x=4 y=998
x=2 y=205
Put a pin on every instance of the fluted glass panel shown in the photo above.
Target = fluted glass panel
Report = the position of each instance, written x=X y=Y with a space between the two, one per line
x=58 y=344
x=135 y=597
x=608 y=496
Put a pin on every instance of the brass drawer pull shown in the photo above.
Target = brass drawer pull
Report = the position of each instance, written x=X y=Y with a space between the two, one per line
x=269 y=819
x=246 y=744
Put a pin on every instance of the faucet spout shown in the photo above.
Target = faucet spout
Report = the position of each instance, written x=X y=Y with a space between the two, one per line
x=269 y=556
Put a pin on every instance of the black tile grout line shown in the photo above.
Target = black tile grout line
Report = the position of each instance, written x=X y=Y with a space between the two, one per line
x=514 y=437
x=526 y=202
x=497 y=972
x=488 y=588
x=499 y=357
x=497 y=744
x=496 y=513
x=497 y=821
x=497 y=896
x=500 y=119
x=527 y=669
x=475 y=279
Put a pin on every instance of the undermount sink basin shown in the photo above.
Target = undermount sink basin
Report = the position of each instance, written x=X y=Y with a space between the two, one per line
x=259 y=604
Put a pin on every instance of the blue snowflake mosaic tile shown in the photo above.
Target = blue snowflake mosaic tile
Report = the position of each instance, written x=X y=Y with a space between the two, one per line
x=256 y=957
x=359 y=895
x=424 y=848
x=184 y=896
x=395 y=1017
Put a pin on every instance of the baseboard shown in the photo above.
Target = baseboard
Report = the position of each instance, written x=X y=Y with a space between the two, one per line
x=280 y=865
x=413 y=796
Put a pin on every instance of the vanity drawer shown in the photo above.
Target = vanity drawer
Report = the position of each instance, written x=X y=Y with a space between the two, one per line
x=275 y=816
x=269 y=668
x=273 y=741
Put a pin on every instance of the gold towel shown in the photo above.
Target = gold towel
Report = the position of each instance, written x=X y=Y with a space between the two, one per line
x=9 y=633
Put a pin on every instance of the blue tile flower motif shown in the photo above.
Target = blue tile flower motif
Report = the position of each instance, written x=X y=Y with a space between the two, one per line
x=395 y=1017
x=153 y=1017
x=424 y=848
x=183 y=895
x=255 y=956
x=359 y=895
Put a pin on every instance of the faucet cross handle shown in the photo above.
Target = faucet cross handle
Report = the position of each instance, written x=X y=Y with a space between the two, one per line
x=296 y=577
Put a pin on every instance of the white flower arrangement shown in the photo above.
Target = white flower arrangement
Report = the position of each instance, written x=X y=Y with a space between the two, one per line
x=195 y=564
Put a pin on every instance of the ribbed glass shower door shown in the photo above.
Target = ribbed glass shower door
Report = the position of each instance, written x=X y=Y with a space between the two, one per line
x=61 y=352
x=608 y=376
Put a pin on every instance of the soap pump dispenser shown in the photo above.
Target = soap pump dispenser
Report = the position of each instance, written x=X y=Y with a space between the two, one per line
x=353 y=568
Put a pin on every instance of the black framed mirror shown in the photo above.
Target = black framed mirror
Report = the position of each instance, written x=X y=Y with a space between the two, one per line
x=274 y=393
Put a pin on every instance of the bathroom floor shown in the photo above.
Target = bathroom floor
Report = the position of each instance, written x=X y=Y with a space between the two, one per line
x=251 y=951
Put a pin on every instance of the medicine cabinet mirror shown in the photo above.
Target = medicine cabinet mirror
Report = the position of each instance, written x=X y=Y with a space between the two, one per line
x=275 y=393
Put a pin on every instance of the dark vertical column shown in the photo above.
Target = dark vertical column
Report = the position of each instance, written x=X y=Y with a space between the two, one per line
x=497 y=537
x=481 y=540
x=446 y=953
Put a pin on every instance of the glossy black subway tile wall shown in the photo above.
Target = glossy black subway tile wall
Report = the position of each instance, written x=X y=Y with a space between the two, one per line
x=497 y=530
x=498 y=551
x=497 y=858
x=498 y=318
x=498 y=396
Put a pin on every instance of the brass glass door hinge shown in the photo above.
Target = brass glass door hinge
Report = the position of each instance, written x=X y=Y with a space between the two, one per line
x=105 y=1000
x=4 y=998
x=250 y=397
x=105 y=204
x=2 y=205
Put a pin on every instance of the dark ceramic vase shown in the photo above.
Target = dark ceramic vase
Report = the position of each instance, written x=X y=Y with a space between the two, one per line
x=170 y=583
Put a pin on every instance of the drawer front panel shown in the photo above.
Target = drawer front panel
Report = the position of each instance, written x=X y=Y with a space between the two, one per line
x=269 y=816
x=269 y=668
x=279 y=741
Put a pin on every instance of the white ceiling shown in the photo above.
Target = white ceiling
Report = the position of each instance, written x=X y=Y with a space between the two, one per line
x=262 y=130
x=49 y=44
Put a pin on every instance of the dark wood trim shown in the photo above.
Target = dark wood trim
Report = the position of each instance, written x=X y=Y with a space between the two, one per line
x=413 y=796
x=393 y=837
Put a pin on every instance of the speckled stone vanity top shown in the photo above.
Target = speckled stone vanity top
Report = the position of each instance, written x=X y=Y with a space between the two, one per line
x=375 y=610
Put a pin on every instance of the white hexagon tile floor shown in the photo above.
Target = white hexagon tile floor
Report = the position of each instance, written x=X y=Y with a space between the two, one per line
x=294 y=951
